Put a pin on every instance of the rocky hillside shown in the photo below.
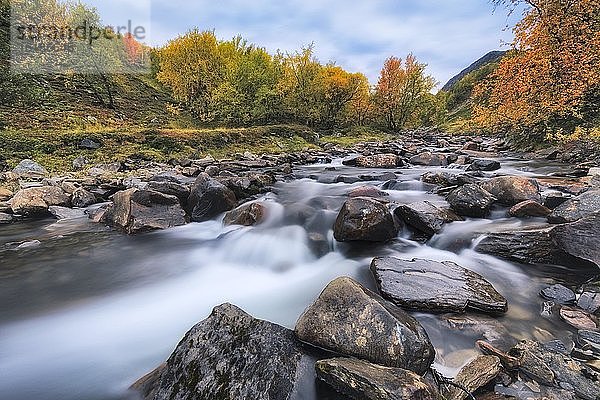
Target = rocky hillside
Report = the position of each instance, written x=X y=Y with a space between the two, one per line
x=491 y=57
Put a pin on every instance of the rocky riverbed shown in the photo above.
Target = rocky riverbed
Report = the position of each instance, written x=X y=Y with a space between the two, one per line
x=425 y=268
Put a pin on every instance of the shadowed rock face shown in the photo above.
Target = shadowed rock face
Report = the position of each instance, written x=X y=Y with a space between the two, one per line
x=435 y=286
x=364 y=219
x=425 y=216
x=576 y=208
x=511 y=190
x=471 y=201
x=231 y=355
x=568 y=244
x=365 y=381
x=351 y=320
x=209 y=198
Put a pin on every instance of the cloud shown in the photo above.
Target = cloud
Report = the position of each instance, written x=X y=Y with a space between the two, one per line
x=446 y=34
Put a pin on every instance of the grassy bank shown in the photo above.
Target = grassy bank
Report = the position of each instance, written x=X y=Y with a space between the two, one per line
x=56 y=150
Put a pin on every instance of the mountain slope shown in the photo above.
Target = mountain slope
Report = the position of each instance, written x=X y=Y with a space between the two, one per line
x=491 y=57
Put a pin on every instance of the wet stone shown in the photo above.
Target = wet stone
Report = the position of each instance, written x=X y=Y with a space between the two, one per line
x=559 y=294
x=578 y=318
x=590 y=302
x=476 y=374
x=425 y=217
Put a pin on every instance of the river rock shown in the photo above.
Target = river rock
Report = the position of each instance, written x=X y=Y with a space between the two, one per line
x=510 y=190
x=529 y=208
x=136 y=210
x=477 y=374
x=29 y=169
x=428 y=285
x=589 y=341
x=81 y=198
x=447 y=179
x=364 y=219
x=5 y=194
x=378 y=161
x=576 y=208
x=471 y=200
x=246 y=215
x=231 y=355
x=176 y=189
x=361 y=380
x=429 y=159
x=66 y=212
x=590 y=302
x=578 y=318
x=36 y=200
x=555 y=369
x=484 y=165
x=571 y=244
x=367 y=191
x=425 y=217
x=559 y=294
x=480 y=327
x=209 y=198
x=351 y=320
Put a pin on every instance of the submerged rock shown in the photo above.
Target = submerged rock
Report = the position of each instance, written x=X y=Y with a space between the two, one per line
x=351 y=320
x=362 y=380
x=36 y=200
x=576 y=208
x=135 y=210
x=511 y=190
x=231 y=355
x=209 y=198
x=364 y=219
x=428 y=285
x=425 y=217
x=471 y=201
x=247 y=215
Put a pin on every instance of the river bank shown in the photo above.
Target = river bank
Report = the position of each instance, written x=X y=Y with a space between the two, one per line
x=308 y=219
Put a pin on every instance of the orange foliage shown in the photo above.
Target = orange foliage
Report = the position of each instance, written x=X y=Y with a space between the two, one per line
x=546 y=80
x=134 y=50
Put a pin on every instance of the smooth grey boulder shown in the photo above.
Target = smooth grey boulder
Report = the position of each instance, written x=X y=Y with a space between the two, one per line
x=362 y=380
x=428 y=285
x=510 y=190
x=425 y=216
x=351 y=320
x=574 y=244
x=209 y=198
x=30 y=169
x=576 y=208
x=135 y=211
x=231 y=355
x=36 y=200
x=471 y=201
x=364 y=219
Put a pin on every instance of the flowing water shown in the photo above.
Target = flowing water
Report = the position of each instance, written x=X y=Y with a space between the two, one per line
x=87 y=311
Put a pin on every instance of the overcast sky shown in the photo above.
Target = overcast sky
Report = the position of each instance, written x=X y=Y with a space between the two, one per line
x=357 y=34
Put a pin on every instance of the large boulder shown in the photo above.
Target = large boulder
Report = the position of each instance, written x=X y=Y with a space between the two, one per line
x=351 y=320
x=29 y=169
x=428 y=285
x=447 y=179
x=364 y=219
x=529 y=208
x=471 y=201
x=135 y=210
x=36 y=200
x=209 y=198
x=429 y=159
x=247 y=215
x=361 y=380
x=577 y=243
x=425 y=216
x=510 y=190
x=576 y=208
x=169 y=187
x=231 y=355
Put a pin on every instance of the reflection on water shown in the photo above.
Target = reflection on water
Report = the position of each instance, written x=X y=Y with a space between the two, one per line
x=88 y=311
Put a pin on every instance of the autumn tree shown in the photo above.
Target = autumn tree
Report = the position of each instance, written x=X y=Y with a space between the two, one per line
x=551 y=79
x=337 y=90
x=402 y=91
